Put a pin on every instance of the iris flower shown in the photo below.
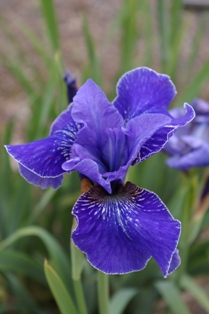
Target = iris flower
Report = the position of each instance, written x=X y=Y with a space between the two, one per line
x=189 y=147
x=119 y=225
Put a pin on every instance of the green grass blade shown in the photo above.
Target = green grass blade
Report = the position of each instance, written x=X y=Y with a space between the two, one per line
x=193 y=88
x=93 y=69
x=129 y=29
x=57 y=256
x=36 y=43
x=59 y=291
x=17 y=71
x=172 y=296
x=148 y=34
x=120 y=300
x=14 y=261
x=195 y=47
x=176 y=12
x=26 y=301
x=48 y=11
x=172 y=67
x=43 y=202
x=196 y=291
x=163 y=22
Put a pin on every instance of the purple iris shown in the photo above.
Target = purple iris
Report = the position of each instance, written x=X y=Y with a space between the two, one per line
x=120 y=227
x=189 y=147
x=71 y=85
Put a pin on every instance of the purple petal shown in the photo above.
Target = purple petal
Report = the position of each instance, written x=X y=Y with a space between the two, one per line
x=65 y=121
x=196 y=158
x=36 y=180
x=112 y=153
x=44 y=157
x=201 y=107
x=161 y=137
x=175 y=262
x=140 y=130
x=92 y=108
x=70 y=82
x=182 y=120
x=121 y=232
x=142 y=90
x=87 y=166
x=156 y=142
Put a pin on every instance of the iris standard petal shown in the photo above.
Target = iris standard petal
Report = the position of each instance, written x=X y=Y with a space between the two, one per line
x=142 y=90
x=92 y=108
x=44 y=157
x=121 y=232
x=36 y=180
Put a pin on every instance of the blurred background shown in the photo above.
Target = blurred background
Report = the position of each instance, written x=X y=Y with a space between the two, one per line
x=39 y=40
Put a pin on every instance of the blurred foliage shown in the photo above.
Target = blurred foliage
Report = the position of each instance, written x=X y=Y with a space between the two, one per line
x=36 y=224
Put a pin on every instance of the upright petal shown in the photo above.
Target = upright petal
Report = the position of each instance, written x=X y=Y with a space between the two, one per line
x=142 y=90
x=121 y=232
x=92 y=108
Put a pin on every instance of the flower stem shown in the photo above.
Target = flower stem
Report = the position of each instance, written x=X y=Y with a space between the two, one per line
x=80 y=297
x=191 y=183
x=103 y=293
x=77 y=267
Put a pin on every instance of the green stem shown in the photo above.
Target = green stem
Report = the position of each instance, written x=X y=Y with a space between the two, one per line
x=77 y=267
x=186 y=224
x=80 y=297
x=103 y=293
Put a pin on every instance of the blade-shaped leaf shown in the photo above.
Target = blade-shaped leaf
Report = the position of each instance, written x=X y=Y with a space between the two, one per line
x=59 y=291
x=51 y=23
x=196 y=291
x=121 y=299
x=172 y=296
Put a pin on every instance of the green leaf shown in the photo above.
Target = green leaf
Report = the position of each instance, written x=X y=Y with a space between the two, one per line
x=163 y=22
x=51 y=23
x=196 y=291
x=172 y=296
x=93 y=66
x=26 y=301
x=15 y=261
x=62 y=297
x=17 y=71
x=57 y=255
x=78 y=259
x=35 y=42
x=120 y=300
x=193 y=88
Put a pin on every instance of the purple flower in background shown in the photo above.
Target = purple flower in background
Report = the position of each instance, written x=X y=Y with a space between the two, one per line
x=71 y=85
x=189 y=147
x=120 y=227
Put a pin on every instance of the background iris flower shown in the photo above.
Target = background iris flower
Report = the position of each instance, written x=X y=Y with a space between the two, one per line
x=120 y=227
x=189 y=147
